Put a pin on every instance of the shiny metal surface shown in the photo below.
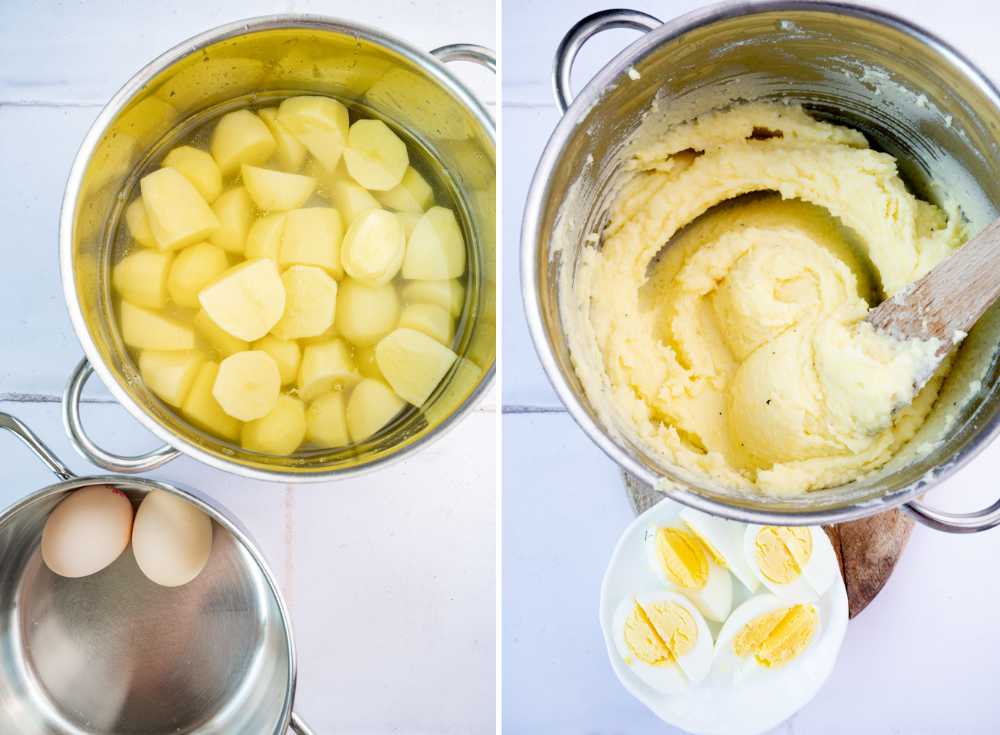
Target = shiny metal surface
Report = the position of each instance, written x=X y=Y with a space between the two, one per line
x=73 y=422
x=242 y=63
x=819 y=54
x=583 y=31
x=115 y=654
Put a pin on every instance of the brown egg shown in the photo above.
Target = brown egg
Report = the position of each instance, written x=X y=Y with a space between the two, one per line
x=87 y=531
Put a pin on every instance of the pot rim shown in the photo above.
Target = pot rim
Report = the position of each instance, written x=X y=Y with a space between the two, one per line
x=218 y=514
x=426 y=60
x=539 y=191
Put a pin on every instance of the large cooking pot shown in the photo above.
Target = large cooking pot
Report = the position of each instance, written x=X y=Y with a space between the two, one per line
x=912 y=94
x=247 y=62
x=115 y=653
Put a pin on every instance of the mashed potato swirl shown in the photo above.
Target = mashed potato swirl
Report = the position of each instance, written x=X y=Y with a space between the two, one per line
x=727 y=300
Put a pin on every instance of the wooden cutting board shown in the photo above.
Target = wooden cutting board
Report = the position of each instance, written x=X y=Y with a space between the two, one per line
x=867 y=549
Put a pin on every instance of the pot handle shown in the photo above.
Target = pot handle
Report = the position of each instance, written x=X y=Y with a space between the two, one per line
x=19 y=429
x=579 y=34
x=83 y=444
x=299 y=727
x=939 y=520
x=467 y=52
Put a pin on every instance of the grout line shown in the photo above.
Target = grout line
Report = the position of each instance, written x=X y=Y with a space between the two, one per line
x=51 y=103
x=525 y=409
x=528 y=105
x=45 y=398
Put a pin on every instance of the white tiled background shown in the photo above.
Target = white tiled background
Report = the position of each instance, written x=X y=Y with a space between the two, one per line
x=923 y=659
x=391 y=577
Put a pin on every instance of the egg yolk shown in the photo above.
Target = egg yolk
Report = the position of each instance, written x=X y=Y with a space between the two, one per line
x=683 y=558
x=712 y=551
x=779 y=636
x=660 y=633
x=782 y=552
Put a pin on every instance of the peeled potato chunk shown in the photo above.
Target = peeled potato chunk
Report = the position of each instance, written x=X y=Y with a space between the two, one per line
x=413 y=363
x=217 y=337
x=141 y=278
x=248 y=385
x=326 y=421
x=375 y=156
x=241 y=137
x=351 y=200
x=235 y=212
x=277 y=191
x=280 y=432
x=449 y=294
x=201 y=408
x=365 y=314
x=170 y=374
x=312 y=236
x=286 y=354
x=199 y=168
x=372 y=405
x=178 y=215
x=193 y=268
x=264 y=237
x=436 y=249
x=138 y=224
x=247 y=300
x=364 y=357
x=326 y=366
x=412 y=194
x=291 y=154
x=409 y=221
x=310 y=301
x=320 y=124
x=373 y=248
x=149 y=330
x=431 y=319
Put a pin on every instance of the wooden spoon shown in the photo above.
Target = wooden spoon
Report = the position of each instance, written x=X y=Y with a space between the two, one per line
x=949 y=300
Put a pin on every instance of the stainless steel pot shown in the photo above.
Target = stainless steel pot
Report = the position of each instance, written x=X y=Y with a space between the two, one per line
x=245 y=62
x=115 y=653
x=908 y=91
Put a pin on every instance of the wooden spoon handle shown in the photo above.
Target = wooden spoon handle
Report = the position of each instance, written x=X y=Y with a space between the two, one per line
x=946 y=302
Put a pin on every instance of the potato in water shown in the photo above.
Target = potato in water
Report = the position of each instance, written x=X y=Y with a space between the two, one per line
x=291 y=278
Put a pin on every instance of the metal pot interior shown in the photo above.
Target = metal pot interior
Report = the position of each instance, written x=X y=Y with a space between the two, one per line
x=911 y=96
x=251 y=63
x=114 y=652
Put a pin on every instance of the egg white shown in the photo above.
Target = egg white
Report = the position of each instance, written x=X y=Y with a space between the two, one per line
x=818 y=574
x=746 y=667
x=726 y=538
x=691 y=668
x=715 y=599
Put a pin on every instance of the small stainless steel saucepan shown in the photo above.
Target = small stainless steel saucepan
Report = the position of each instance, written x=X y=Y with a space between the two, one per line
x=114 y=653
x=911 y=93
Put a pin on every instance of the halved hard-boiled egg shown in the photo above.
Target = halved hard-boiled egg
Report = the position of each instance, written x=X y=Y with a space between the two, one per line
x=724 y=541
x=794 y=562
x=663 y=638
x=766 y=633
x=683 y=562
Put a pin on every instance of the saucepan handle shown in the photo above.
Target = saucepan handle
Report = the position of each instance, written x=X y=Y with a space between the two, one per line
x=467 y=52
x=299 y=727
x=939 y=520
x=17 y=427
x=579 y=34
x=85 y=446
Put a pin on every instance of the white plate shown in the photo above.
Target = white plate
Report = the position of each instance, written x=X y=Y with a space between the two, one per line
x=713 y=708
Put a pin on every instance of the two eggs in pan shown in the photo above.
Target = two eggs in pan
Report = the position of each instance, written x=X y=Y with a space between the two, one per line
x=778 y=640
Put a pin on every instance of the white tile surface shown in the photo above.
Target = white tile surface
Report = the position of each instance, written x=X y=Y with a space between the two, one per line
x=390 y=578
x=922 y=659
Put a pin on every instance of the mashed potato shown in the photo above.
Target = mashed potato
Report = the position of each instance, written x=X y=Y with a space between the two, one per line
x=739 y=350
